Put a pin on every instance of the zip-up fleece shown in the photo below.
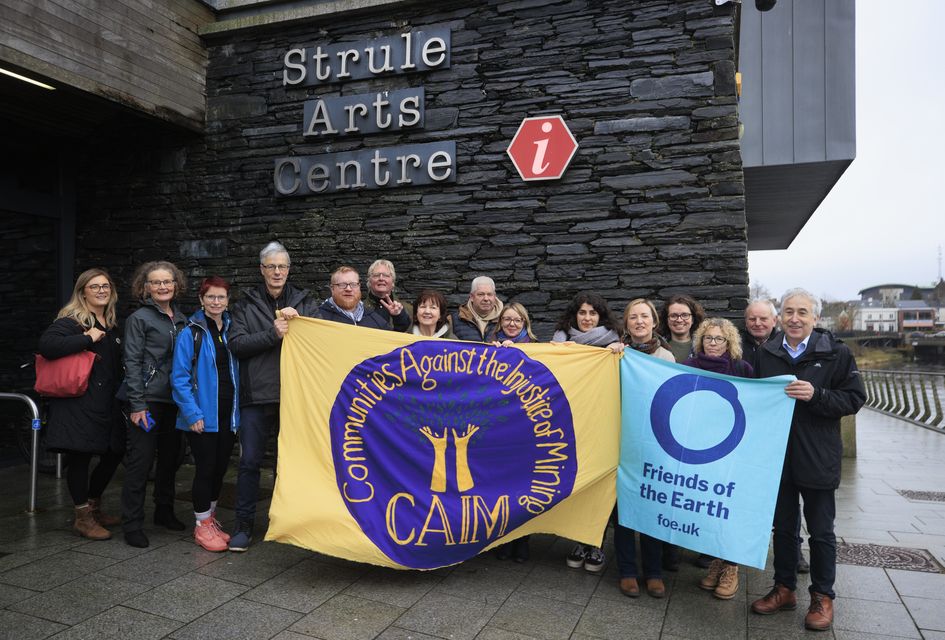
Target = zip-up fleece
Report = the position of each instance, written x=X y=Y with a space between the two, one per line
x=196 y=391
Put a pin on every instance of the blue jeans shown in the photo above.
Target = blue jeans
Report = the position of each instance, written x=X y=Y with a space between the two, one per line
x=819 y=512
x=256 y=423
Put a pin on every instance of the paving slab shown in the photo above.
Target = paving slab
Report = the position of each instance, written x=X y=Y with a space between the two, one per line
x=346 y=617
x=75 y=601
x=19 y=626
x=447 y=616
x=534 y=615
x=54 y=570
x=238 y=620
x=162 y=564
x=398 y=588
x=120 y=623
x=186 y=598
x=306 y=586
x=928 y=613
x=263 y=561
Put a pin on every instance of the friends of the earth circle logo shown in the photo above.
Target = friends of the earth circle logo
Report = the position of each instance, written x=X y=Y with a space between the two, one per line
x=440 y=448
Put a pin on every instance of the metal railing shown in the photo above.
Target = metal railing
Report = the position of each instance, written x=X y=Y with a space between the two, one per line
x=916 y=396
x=34 y=459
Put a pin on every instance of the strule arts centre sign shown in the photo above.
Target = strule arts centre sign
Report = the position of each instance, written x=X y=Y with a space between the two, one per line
x=363 y=114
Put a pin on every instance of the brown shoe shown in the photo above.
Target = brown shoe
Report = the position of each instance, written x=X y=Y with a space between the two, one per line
x=711 y=579
x=86 y=526
x=655 y=587
x=780 y=598
x=629 y=587
x=104 y=519
x=820 y=613
x=728 y=582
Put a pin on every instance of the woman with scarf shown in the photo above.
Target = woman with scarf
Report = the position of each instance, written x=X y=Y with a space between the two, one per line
x=639 y=323
x=514 y=326
x=429 y=316
x=588 y=321
x=718 y=348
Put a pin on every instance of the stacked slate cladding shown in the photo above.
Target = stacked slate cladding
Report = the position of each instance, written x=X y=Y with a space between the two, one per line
x=652 y=202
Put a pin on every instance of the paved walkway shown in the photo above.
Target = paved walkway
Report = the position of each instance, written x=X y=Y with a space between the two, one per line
x=53 y=584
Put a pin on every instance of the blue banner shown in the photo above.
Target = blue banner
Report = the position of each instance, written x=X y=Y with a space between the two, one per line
x=701 y=456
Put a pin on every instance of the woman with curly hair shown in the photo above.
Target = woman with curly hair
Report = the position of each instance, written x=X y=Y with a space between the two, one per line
x=718 y=348
x=150 y=333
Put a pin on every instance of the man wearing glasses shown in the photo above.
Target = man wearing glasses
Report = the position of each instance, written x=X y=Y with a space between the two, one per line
x=260 y=321
x=381 y=298
x=345 y=304
x=827 y=387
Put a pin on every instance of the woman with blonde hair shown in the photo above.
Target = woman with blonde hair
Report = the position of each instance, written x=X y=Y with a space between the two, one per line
x=90 y=424
x=514 y=326
x=150 y=333
x=717 y=347
x=639 y=326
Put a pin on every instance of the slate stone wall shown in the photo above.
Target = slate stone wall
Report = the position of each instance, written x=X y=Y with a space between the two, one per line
x=652 y=203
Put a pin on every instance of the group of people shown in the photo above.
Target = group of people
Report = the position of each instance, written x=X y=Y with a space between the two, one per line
x=215 y=376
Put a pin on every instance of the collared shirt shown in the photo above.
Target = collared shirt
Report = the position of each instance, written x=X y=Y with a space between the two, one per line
x=356 y=314
x=799 y=351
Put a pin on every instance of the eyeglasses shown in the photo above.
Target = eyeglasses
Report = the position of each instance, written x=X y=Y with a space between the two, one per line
x=680 y=316
x=275 y=267
x=215 y=298
x=100 y=287
x=714 y=339
x=346 y=285
x=161 y=283
x=512 y=321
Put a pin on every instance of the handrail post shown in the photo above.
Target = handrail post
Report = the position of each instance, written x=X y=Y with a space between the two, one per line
x=34 y=460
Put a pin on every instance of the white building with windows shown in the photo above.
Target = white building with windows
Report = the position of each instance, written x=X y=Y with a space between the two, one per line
x=875 y=316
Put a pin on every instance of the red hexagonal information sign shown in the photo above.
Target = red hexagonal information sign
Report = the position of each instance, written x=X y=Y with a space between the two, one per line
x=542 y=148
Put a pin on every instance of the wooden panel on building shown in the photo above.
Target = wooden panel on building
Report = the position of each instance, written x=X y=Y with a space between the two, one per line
x=140 y=54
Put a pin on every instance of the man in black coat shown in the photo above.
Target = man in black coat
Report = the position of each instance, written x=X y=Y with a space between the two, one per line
x=761 y=318
x=260 y=321
x=828 y=387
x=345 y=304
x=382 y=280
x=477 y=319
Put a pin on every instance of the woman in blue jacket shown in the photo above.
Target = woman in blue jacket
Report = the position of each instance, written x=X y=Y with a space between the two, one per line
x=205 y=386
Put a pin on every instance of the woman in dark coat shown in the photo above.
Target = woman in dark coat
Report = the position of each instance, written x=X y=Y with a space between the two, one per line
x=150 y=333
x=89 y=425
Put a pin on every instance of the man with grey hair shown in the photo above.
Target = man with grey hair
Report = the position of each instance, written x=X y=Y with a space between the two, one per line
x=381 y=279
x=761 y=318
x=827 y=387
x=476 y=320
x=259 y=322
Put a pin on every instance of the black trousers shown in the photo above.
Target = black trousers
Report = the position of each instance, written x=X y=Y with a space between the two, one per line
x=165 y=440
x=819 y=512
x=211 y=451
x=81 y=486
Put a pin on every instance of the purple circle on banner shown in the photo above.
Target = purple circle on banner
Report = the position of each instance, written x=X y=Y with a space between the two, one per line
x=442 y=447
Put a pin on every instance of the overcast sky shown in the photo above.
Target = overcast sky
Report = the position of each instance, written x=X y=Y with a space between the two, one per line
x=884 y=221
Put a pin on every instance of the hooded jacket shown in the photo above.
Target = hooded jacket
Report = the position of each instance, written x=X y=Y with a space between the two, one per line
x=253 y=339
x=814 y=448
x=196 y=391
x=149 y=353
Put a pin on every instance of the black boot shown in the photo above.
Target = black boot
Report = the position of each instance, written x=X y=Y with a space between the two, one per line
x=164 y=517
x=136 y=539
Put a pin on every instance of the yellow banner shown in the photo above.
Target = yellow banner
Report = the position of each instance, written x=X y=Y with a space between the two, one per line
x=420 y=453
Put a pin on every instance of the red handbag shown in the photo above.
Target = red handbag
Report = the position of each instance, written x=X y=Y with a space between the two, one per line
x=65 y=377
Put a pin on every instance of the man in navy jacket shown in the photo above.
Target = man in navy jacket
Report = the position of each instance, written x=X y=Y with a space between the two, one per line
x=828 y=387
x=345 y=304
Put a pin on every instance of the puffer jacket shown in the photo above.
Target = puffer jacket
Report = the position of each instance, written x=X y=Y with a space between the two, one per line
x=196 y=390
x=814 y=449
x=149 y=351
x=253 y=339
